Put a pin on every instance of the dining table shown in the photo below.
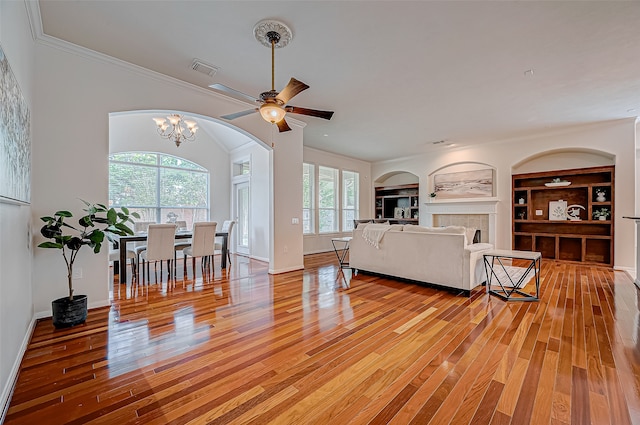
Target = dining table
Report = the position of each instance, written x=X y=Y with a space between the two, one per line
x=142 y=236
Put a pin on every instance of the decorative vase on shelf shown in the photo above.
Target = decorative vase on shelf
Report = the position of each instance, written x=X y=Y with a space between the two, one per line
x=600 y=197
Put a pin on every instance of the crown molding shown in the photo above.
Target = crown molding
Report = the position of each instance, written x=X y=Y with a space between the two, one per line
x=35 y=22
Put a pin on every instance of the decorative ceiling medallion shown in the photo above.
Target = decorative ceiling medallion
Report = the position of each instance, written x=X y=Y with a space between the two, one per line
x=263 y=27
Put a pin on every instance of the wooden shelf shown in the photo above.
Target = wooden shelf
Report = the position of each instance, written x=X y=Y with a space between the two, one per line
x=388 y=198
x=589 y=240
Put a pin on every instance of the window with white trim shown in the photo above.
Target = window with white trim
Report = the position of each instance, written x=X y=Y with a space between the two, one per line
x=332 y=203
x=350 y=203
x=327 y=200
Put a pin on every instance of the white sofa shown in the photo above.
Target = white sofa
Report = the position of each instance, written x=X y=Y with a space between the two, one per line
x=439 y=256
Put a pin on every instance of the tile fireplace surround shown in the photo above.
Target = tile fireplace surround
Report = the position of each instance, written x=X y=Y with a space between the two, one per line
x=477 y=213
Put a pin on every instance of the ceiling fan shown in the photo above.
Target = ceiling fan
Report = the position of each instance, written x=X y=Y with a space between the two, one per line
x=273 y=105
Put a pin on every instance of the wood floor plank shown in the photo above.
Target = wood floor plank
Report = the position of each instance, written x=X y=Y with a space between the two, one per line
x=314 y=347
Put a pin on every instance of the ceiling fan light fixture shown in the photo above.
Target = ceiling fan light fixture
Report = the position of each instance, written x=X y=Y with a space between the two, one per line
x=272 y=112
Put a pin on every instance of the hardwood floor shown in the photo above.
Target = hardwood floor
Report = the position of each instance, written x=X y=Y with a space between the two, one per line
x=308 y=348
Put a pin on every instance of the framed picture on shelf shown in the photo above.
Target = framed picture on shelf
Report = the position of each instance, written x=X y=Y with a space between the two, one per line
x=398 y=212
x=558 y=210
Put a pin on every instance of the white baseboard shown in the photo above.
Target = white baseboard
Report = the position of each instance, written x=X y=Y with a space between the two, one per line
x=318 y=251
x=264 y=260
x=9 y=386
x=288 y=269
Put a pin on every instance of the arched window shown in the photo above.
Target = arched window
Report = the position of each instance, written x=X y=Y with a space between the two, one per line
x=159 y=187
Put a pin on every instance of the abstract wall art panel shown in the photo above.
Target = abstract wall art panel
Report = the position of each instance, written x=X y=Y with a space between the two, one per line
x=15 y=138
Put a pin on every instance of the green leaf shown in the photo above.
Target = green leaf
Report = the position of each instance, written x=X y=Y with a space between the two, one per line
x=96 y=236
x=112 y=216
x=86 y=221
x=125 y=210
x=63 y=214
x=50 y=245
x=49 y=219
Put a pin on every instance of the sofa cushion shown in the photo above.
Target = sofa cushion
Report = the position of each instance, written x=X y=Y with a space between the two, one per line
x=456 y=230
x=470 y=233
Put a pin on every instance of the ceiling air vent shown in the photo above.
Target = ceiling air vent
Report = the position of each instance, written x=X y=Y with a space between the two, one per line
x=205 y=68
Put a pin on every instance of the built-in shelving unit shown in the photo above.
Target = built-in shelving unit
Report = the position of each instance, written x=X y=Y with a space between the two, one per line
x=585 y=238
x=405 y=196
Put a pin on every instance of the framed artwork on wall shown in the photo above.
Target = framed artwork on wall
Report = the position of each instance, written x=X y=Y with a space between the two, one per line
x=15 y=138
x=464 y=184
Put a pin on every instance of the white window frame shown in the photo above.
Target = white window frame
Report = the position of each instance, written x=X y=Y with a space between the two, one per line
x=309 y=211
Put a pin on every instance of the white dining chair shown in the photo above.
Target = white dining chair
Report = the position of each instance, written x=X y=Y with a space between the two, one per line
x=114 y=255
x=140 y=227
x=160 y=240
x=181 y=244
x=202 y=245
x=227 y=226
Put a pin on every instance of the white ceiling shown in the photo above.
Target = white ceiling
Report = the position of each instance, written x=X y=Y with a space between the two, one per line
x=399 y=75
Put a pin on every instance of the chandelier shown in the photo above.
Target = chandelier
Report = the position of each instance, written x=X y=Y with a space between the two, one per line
x=177 y=128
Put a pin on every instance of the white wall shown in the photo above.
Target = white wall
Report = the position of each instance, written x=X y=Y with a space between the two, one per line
x=135 y=132
x=16 y=297
x=322 y=243
x=614 y=138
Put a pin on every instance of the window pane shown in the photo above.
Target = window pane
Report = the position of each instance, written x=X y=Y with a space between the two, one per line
x=308 y=190
x=348 y=216
x=327 y=186
x=307 y=186
x=327 y=199
x=135 y=157
x=131 y=185
x=190 y=215
x=307 y=221
x=174 y=161
x=327 y=221
x=146 y=214
x=350 y=189
x=182 y=188
x=182 y=195
x=350 y=197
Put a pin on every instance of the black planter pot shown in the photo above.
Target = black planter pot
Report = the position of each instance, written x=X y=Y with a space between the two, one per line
x=68 y=313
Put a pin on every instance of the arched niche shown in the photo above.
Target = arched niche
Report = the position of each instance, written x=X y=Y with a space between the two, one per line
x=396 y=178
x=563 y=159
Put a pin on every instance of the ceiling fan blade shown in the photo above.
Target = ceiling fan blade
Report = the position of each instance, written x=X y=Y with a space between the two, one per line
x=283 y=126
x=239 y=114
x=293 y=88
x=311 y=112
x=234 y=93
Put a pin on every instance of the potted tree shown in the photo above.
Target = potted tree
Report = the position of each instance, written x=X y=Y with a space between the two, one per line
x=91 y=230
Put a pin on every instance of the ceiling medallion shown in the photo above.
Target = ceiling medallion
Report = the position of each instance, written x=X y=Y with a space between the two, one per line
x=267 y=26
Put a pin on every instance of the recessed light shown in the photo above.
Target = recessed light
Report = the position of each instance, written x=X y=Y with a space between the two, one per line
x=450 y=145
x=325 y=135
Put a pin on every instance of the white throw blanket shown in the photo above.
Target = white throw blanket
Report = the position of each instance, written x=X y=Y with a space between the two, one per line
x=373 y=233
